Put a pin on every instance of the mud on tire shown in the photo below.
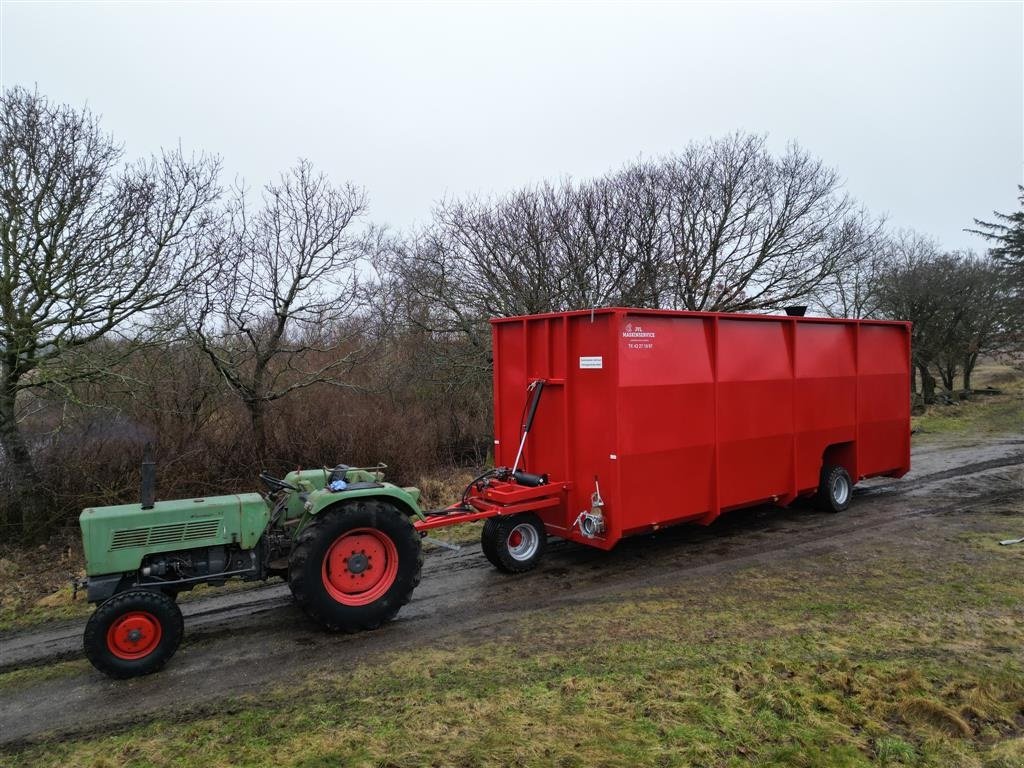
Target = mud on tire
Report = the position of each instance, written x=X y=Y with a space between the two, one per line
x=835 y=489
x=514 y=544
x=133 y=633
x=355 y=565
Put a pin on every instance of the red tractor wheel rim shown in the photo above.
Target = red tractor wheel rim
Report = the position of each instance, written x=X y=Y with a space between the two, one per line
x=360 y=566
x=134 y=635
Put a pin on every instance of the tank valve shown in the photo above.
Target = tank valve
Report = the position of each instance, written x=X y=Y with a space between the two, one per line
x=592 y=523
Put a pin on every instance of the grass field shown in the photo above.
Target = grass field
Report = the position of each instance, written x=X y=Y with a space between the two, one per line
x=854 y=660
x=983 y=414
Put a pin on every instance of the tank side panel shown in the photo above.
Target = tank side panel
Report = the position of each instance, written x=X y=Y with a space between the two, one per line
x=826 y=387
x=666 y=419
x=755 y=411
x=884 y=400
x=590 y=385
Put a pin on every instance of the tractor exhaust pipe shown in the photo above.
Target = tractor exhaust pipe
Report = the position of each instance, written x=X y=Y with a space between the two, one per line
x=147 y=492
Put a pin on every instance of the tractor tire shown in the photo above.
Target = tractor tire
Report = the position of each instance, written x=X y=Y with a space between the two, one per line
x=835 y=489
x=354 y=566
x=514 y=544
x=133 y=633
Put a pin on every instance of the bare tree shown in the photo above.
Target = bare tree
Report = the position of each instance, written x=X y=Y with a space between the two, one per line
x=610 y=239
x=920 y=283
x=749 y=230
x=89 y=248
x=979 y=314
x=723 y=226
x=854 y=290
x=282 y=312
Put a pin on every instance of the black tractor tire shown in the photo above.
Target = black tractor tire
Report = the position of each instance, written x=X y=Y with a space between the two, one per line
x=835 y=489
x=133 y=633
x=327 y=587
x=514 y=543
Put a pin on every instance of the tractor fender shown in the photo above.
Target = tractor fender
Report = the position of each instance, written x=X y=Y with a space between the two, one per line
x=408 y=502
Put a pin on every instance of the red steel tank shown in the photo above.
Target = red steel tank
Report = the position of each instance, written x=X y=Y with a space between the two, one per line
x=652 y=417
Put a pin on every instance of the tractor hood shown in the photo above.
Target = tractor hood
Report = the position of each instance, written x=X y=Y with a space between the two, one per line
x=117 y=538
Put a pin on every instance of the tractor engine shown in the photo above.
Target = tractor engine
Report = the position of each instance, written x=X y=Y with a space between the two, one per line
x=211 y=564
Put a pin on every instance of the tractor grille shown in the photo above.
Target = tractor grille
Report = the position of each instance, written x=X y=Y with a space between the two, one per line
x=165 y=534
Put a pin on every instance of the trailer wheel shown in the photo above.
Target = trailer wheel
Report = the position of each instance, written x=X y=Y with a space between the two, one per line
x=354 y=566
x=514 y=543
x=835 y=490
x=133 y=633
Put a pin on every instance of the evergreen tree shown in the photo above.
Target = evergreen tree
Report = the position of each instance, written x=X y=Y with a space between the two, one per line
x=1007 y=234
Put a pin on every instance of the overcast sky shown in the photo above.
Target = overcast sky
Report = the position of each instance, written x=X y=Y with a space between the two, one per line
x=918 y=106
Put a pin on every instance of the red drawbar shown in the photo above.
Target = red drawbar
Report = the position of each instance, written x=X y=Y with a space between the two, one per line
x=497 y=498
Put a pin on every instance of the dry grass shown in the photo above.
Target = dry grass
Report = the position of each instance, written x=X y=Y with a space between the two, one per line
x=439 y=491
x=983 y=415
x=443 y=488
x=35 y=582
x=937 y=715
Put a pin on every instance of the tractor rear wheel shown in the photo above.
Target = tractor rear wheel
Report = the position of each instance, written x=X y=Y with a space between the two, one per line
x=133 y=633
x=514 y=543
x=354 y=566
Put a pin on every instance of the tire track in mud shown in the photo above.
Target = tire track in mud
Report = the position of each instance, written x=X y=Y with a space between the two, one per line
x=238 y=643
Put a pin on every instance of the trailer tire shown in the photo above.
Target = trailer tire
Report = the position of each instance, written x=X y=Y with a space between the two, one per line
x=835 y=489
x=514 y=543
x=133 y=633
x=354 y=566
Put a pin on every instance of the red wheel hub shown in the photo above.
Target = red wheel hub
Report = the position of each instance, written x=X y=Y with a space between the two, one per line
x=134 y=635
x=360 y=566
x=515 y=539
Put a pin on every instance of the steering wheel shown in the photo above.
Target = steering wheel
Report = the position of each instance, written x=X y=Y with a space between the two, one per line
x=275 y=484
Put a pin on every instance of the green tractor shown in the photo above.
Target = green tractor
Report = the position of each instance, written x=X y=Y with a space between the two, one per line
x=347 y=543
x=342 y=538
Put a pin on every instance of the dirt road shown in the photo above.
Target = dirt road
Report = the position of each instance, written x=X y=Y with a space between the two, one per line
x=243 y=642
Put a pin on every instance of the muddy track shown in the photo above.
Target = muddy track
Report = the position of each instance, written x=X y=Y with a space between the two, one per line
x=238 y=643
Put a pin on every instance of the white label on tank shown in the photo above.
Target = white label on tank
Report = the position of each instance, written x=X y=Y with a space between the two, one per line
x=592 y=362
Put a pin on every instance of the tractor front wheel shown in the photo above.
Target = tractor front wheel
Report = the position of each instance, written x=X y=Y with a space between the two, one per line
x=133 y=633
x=355 y=566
